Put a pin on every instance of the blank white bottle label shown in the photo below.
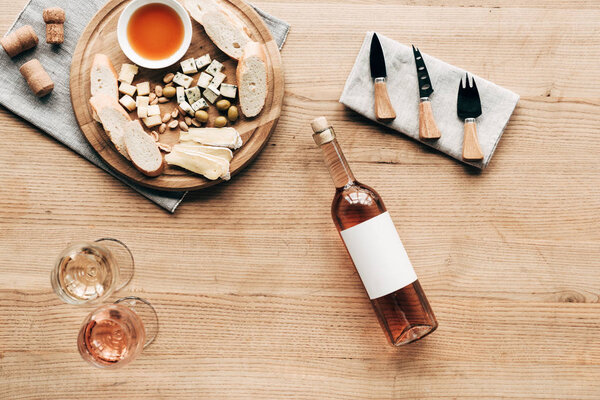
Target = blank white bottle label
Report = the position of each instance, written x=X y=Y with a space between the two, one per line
x=379 y=256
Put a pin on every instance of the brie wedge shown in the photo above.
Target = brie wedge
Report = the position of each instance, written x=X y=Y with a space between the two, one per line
x=220 y=137
x=210 y=166
x=193 y=147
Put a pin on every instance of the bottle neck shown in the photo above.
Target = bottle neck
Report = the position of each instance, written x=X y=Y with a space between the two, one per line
x=336 y=163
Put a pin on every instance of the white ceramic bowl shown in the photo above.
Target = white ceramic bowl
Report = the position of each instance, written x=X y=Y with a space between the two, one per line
x=144 y=62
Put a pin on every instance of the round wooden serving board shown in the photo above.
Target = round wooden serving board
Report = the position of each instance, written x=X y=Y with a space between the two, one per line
x=100 y=36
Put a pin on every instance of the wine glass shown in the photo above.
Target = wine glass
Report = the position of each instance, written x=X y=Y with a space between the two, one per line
x=89 y=272
x=113 y=335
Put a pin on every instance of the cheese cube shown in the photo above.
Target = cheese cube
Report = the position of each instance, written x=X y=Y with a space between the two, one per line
x=186 y=108
x=214 y=67
x=153 y=110
x=204 y=80
x=218 y=79
x=127 y=89
x=182 y=80
x=142 y=101
x=180 y=95
x=128 y=102
x=214 y=88
x=152 y=121
x=143 y=88
x=203 y=61
x=193 y=94
x=228 y=90
x=199 y=105
x=211 y=94
x=189 y=66
x=142 y=111
x=127 y=73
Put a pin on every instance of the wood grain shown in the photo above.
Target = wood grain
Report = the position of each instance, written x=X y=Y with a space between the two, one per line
x=100 y=36
x=255 y=293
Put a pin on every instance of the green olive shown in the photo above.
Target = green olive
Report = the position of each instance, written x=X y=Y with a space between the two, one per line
x=201 y=116
x=169 y=91
x=232 y=114
x=220 y=122
x=223 y=105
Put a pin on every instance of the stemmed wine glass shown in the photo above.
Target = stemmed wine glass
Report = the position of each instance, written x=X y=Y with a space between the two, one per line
x=89 y=272
x=113 y=335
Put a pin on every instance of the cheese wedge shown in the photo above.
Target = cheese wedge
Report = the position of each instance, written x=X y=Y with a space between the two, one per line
x=220 y=137
x=210 y=166
x=197 y=148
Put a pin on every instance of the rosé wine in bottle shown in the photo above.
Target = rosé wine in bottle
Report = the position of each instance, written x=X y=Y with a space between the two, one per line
x=372 y=241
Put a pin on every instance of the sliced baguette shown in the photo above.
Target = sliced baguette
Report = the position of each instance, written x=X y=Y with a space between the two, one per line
x=103 y=77
x=252 y=79
x=224 y=28
x=142 y=149
x=110 y=114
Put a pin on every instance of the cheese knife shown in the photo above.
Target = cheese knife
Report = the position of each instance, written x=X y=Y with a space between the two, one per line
x=428 y=130
x=383 y=106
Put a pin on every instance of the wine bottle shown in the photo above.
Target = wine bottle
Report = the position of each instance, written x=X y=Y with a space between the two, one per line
x=375 y=248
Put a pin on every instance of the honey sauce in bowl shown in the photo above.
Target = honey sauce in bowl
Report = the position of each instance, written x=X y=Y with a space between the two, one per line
x=154 y=34
x=155 y=31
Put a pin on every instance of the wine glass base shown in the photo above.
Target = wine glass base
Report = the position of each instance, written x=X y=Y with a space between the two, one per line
x=146 y=313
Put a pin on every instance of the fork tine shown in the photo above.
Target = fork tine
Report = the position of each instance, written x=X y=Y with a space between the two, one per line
x=468 y=83
x=475 y=91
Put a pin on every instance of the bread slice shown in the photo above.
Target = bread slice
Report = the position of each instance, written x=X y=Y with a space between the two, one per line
x=252 y=79
x=142 y=149
x=112 y=116
x=103 y=77
x=224 y=28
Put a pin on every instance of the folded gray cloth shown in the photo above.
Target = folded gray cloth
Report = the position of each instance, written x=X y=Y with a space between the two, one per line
x=54 y=114
x=497 y=103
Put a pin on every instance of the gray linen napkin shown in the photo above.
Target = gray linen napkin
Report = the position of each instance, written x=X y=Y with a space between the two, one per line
x=53 y=114
x=497 y=103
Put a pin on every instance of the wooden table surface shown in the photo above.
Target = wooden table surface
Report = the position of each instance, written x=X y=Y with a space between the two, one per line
x=256 y=295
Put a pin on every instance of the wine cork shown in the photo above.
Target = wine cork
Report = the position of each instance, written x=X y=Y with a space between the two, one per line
x=38 y=79
x=20 y=40
x=55 y=31
x=319 y=124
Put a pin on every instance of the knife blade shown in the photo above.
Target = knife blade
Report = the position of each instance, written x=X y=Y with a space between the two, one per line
x=425 y=87
x=427 y=128
x=384 y=111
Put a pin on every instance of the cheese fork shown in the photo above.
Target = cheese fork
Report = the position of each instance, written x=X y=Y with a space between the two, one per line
x=469 y=108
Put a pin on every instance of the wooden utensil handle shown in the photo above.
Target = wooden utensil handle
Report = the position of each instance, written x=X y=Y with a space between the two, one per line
x=383 y=106
x=428 y=130
x=471 y=149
